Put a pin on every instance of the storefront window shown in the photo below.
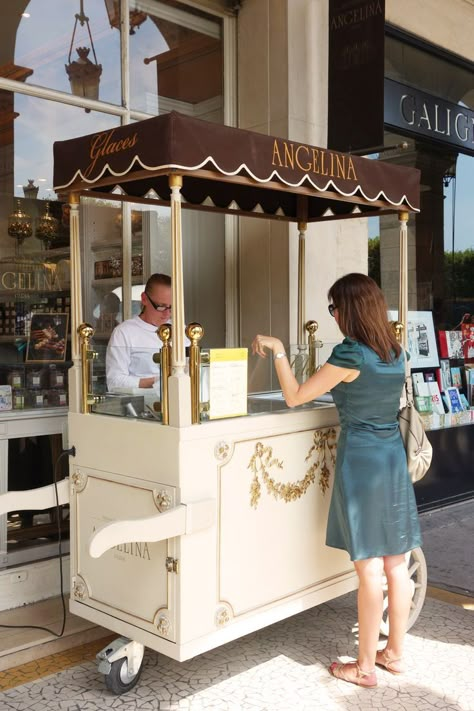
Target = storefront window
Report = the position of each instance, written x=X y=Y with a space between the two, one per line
x=39 y=46
x=428 y=105
x=176 y=61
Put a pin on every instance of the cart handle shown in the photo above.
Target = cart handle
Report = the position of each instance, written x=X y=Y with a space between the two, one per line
x=42 y=498
x=184 y=519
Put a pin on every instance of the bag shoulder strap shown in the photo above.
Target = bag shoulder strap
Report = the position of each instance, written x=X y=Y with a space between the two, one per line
x=408 y=385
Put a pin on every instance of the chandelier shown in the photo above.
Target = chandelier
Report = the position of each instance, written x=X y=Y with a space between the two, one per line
x=19 y=225
x=47 y=227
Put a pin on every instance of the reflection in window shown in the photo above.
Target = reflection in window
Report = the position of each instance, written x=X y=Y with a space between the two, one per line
x=176 y=62
x=35 y=46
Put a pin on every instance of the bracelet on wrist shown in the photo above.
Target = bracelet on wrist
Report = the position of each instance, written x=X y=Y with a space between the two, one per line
x=280 y=354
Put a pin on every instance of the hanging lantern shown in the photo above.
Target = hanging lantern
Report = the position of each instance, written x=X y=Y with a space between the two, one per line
x=47 y=228
x=136 y=17
x=84 y=75
x=31 y=190
x=19 y=225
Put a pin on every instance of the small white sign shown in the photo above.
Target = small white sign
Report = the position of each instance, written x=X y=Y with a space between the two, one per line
x=227 y=382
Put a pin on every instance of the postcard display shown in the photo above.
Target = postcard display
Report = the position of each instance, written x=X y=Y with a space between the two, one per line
x=35 y=304
x=443 y=379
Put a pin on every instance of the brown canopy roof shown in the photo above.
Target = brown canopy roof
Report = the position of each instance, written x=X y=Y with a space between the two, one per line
x=233 y=170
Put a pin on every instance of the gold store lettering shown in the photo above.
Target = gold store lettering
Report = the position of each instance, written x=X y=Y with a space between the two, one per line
x=30 y=281
x=139 y=550
x=103 y=145
x=351 y=17
x=315 y=160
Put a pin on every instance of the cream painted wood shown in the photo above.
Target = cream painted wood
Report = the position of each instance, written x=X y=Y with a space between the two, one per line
x=256 y=563
x=42 y=498
x=178 y=521
x=3 y=490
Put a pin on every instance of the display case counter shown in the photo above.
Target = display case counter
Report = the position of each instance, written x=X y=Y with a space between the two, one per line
x=30 y=444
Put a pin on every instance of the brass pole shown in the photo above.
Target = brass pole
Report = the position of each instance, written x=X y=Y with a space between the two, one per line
x=301 y=280
x=85 y=333
x=164 y=357
x=311 y=328
x=195 y=332
x=403 y=285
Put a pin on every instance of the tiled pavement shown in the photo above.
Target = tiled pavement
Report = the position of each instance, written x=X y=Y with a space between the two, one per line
x=280 y=668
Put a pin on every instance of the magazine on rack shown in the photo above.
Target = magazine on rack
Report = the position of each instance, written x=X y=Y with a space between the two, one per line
x=454 y=400
x=450 y=344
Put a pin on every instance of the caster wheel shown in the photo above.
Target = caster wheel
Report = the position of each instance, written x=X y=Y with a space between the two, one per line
x=118 y=680
x=418 y=579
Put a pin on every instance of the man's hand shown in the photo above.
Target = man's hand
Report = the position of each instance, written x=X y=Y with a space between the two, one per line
x=146 y=382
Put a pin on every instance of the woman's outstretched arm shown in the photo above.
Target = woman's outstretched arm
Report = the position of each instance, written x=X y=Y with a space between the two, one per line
x=295 y=394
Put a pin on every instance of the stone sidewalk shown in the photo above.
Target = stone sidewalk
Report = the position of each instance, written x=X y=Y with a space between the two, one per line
x=448 y=536
x=284 y=667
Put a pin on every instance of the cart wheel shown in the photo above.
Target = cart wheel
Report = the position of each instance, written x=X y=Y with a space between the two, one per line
x=418 y=578
x=118 y=680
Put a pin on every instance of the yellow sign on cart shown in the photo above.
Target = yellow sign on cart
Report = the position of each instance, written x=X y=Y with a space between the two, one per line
x=227 y=382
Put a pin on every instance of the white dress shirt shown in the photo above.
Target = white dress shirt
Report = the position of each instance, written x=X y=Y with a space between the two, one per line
x=129 y=354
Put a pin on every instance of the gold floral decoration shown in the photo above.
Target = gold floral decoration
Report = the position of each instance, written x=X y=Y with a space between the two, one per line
x=262 y=461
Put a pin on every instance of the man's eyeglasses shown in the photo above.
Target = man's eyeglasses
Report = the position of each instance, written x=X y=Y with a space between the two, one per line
x=331 y=309
x=158 y=307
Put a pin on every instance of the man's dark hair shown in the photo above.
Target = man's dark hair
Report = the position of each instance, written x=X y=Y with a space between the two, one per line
x=156 y=280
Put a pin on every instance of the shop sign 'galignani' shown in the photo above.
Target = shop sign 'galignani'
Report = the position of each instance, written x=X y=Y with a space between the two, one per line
x=420 y=113
x=314 y=160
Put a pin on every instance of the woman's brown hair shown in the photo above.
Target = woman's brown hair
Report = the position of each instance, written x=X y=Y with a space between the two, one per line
x=362 y=314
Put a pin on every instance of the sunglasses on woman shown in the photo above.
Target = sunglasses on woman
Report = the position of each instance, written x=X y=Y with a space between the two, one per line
x=331 y=309
x=158 y=307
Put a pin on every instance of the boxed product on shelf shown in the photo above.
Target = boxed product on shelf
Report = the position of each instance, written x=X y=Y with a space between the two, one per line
x=57 y=377
x=18 y=399
x=5 y=397
x=56 y=398
x=16 y=378
x=35 y=378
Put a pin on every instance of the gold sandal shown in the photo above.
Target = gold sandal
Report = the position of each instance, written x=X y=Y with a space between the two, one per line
x=387 y=662
x=368 y=679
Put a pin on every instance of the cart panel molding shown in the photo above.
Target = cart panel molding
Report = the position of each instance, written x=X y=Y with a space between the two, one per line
x=276 y=539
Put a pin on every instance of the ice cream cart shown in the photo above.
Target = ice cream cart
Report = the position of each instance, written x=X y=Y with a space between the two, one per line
x=188 y=533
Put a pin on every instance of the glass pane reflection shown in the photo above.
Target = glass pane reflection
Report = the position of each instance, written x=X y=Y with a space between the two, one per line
x=176 y=62
x=36 y=44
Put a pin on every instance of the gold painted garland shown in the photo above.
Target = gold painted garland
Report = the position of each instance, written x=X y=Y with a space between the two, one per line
x=324 y=446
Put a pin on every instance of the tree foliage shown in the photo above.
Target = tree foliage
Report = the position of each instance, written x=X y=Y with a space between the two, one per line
x=458 y=270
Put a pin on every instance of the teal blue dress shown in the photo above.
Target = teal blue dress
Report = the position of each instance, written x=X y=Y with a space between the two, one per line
x=373 y=508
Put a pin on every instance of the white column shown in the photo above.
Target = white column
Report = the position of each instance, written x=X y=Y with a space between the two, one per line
x=74 y=376
x=179 y=383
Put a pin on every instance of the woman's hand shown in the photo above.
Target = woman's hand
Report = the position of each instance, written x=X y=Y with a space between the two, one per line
x=260 y=343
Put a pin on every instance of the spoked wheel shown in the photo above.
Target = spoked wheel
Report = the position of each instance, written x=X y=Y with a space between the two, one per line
x=418 y=579
x=118 y=680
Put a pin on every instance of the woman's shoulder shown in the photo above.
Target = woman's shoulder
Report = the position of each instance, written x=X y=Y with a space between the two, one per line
x=348 y=354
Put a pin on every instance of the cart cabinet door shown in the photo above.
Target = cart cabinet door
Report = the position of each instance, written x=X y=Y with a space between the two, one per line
x=130 y=580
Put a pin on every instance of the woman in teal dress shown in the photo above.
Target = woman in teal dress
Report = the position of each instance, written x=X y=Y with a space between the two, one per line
x=373 y=514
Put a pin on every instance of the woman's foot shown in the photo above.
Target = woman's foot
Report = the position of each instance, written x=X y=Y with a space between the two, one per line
x=352 y=673
x=387 y=661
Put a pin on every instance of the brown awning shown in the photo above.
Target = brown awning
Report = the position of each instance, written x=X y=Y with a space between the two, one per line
x=233 y=170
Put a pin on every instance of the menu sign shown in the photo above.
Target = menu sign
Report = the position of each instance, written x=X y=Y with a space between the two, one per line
x=227 y=382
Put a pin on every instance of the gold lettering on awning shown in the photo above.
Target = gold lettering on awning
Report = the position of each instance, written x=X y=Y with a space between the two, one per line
x=313 y=160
